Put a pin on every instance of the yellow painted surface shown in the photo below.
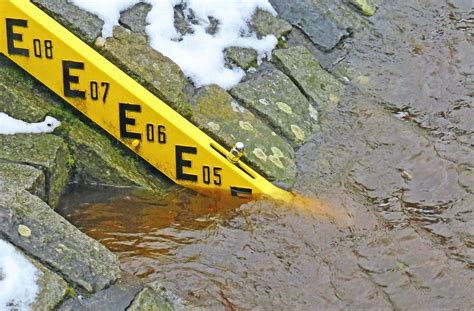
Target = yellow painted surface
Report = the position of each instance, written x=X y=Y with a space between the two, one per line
x=122 y=107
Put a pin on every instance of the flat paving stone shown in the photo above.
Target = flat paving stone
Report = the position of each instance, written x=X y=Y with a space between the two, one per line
x=264 y=23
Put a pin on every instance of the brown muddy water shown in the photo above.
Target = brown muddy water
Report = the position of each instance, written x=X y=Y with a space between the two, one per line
x=391 y=174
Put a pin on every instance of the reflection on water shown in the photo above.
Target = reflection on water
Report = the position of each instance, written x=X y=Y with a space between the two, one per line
x=138 y=225
x=146 y=228
x=213 y=252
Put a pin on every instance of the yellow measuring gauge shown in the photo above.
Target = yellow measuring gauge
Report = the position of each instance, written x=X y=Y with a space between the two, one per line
x=122 y=107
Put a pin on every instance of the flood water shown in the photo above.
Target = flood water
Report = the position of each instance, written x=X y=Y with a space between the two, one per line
x=388 y=216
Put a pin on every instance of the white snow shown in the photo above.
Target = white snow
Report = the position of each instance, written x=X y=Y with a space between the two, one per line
x=18 y=279
x=200 y=55
x=9 y=125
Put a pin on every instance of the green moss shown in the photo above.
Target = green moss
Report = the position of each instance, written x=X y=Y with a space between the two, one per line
x=71 y=292
x=364 y=6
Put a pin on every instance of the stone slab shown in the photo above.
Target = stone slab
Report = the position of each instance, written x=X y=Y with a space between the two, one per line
x=300 y=64
x=217 y=113
x=82 y=23
x=150 y=68
x=134 y=18
x=20 y=176
x=264 y=23
x=46 y=152
x=116 y=297
x=325 y=22
x=55 y=242
x=242 y=57
x=275 y=97
x=52 y=289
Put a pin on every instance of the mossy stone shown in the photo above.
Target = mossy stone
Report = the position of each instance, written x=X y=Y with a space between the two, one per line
x=150 y=68
x=21 y=176
x=301 y=65
x=55 y=242
x=46 y=152
x=218 y=114
x=275 y=97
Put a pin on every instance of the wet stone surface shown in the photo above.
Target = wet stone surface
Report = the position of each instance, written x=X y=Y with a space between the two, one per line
x=218 y=113
x=273 y=95
x=316 y=83
x=154 y=297
x=326 y=23
x=115 y=297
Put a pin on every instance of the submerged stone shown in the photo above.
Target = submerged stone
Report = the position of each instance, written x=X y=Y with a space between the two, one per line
x=320 y=28
x=55 y=242
x=82 y=23
x=150 y=68
x=46 y=152
x=300 y=64
x=217 y=113
x=273 y=95
x=325 y=22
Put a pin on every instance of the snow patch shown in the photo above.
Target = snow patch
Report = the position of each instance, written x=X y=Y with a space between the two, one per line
x=10 y=126
x=200 y=55
x=18 y=279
